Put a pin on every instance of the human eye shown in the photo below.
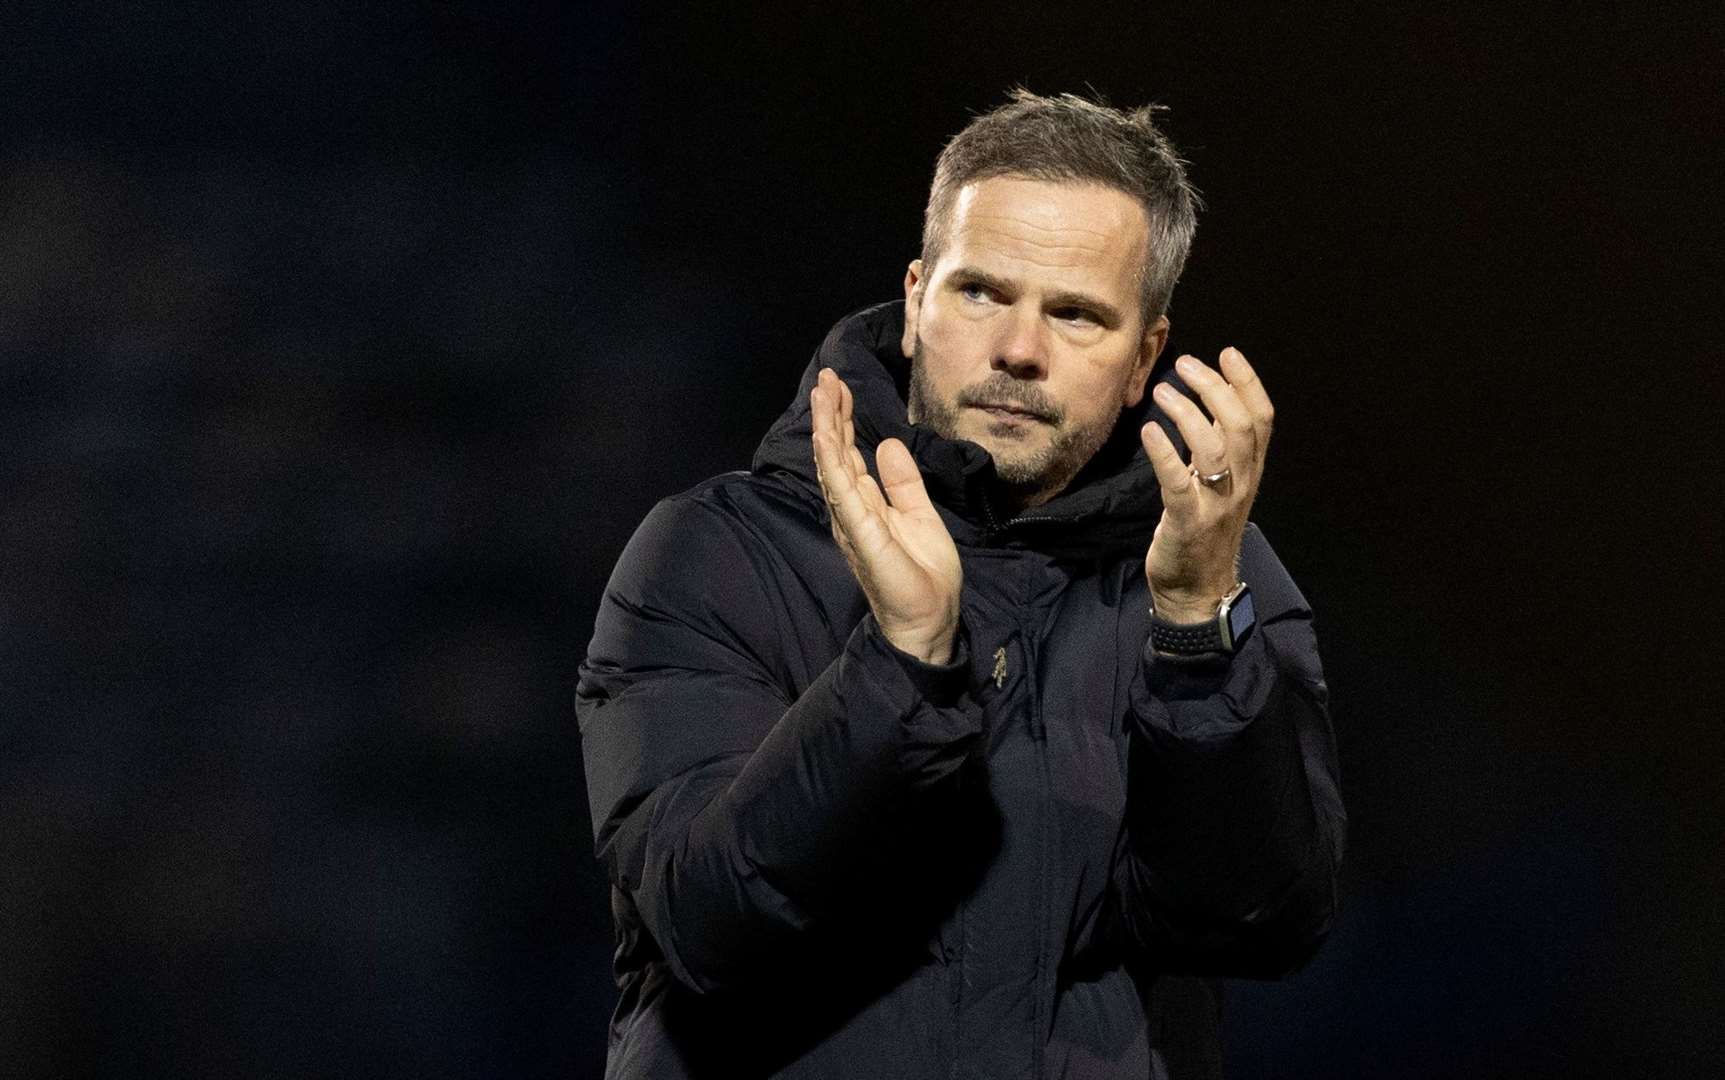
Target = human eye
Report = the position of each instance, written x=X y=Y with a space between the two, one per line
x=975 y=291
x=1078 y=316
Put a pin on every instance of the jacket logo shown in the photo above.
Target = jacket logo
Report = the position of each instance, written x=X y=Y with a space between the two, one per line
x=999 y=667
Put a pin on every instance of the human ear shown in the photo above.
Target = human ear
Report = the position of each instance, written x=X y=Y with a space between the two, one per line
x=912 y=306
x=1149 y=348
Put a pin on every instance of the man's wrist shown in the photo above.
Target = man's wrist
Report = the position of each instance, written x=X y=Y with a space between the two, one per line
x=1186 y=616
x=939 y=685
x=1188 y=609
x=936 y=651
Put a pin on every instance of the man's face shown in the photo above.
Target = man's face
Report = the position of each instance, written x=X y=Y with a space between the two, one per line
x=1027 y=337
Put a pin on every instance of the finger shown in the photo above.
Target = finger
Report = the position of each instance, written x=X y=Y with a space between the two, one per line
x=1240 y=435
x=901 y=478
x=846 y=411
x=830 y=469
x=872 y=497
x=841 y=419
x=823 y=411
x=862 y=529
x=1178 y=484
x=845 y=497
x=830 y=465
x=824 y=408
x=835 y=406
x=1203 y=439
x=817 y=406
x=1244 y=379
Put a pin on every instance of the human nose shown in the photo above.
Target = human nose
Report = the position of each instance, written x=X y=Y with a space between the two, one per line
x=1022 y=349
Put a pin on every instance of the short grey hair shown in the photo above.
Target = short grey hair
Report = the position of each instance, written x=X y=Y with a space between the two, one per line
x=1074 y=139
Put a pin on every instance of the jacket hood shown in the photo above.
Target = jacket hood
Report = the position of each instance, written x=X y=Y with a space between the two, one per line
x=1110 y=507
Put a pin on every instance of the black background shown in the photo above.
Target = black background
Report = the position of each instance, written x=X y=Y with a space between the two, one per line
x=343 y=346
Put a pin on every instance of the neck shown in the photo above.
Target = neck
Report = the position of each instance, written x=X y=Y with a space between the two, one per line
x=1015 y=499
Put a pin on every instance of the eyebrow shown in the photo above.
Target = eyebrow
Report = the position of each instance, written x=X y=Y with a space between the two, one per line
x=1109 y=314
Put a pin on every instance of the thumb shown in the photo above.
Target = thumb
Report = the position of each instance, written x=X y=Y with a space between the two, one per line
x=900 y=478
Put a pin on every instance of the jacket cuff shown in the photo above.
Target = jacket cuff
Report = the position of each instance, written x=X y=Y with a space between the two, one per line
x=1244 y=681
x=1187 y=678
x=940 y=685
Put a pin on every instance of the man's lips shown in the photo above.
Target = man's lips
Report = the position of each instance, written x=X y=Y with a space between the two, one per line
x=1008 y=411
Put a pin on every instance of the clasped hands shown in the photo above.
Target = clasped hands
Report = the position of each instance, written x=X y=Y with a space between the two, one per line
x=908 y=567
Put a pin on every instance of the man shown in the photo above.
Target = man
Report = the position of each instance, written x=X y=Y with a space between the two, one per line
x=955 y=767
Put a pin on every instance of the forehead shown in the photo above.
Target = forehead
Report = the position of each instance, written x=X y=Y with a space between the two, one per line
x=1079 y=235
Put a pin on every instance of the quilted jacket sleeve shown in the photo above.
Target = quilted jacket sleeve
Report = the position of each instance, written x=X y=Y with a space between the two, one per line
x=732 y=817
x=1235 y=825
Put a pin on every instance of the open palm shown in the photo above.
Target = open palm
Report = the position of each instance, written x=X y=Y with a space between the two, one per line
x=896 y=544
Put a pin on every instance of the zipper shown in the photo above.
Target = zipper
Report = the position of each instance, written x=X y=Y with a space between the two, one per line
x=1039 y=739
x=1031 y=519
x=1038 y=726
x=956 y=973
x=993 y=528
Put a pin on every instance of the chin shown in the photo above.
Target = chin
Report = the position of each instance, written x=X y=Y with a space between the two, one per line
x=1004 y=442
x=1019 y=468
x=1011 y=454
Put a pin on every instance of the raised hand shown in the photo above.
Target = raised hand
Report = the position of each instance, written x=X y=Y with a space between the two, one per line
x=896 y=544
x=1194 y=555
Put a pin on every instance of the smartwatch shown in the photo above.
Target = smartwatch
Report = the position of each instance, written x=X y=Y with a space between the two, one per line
x=1235 y=617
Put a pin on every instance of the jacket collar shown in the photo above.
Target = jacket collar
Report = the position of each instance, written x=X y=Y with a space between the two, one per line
x=1111 y=506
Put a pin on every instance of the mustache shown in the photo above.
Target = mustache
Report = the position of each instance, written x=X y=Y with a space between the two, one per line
x=1002 y=389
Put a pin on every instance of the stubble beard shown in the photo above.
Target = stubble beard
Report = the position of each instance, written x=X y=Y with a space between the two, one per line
x=1032 y=477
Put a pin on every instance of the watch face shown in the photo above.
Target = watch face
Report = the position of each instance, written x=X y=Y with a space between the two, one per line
x=1241 y=617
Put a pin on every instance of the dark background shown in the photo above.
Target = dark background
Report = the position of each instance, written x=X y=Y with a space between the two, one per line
x=342 y=347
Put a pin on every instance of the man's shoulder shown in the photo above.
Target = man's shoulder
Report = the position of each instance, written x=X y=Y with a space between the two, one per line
x=722 y=555
x=726 y=523
x=746 y=497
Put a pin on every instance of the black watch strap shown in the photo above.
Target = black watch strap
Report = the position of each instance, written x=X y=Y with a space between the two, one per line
x=1185 y=639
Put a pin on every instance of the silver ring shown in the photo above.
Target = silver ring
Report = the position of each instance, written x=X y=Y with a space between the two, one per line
x=1214 y=478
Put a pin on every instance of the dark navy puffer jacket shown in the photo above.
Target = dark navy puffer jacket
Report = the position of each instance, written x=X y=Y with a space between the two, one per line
x=830 y=860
